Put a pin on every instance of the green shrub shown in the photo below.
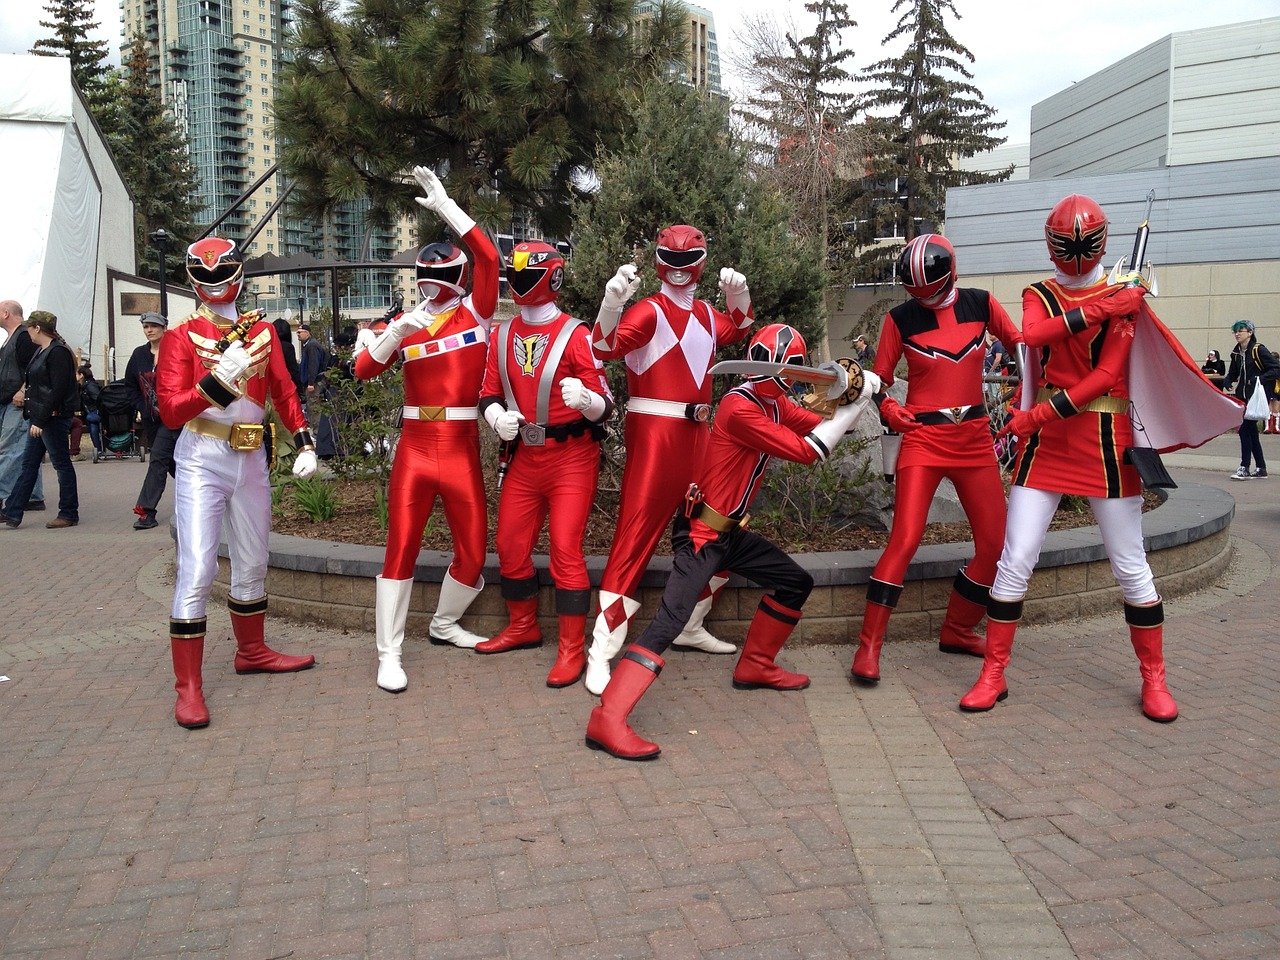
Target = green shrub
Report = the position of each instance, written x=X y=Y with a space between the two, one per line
x=315 y=498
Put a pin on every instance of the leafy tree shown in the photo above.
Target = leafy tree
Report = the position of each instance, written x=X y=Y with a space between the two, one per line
x=924 y=115
x=799 y=119
x=152 y=154
x=509 y=98
x=71 y=21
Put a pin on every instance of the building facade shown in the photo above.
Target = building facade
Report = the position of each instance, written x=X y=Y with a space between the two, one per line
x=702 y=52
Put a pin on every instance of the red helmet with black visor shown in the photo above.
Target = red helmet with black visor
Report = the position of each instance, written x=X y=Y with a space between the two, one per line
x=776 y=343
x=681 y=255
x=1076 y=233
x=443 y=271
x=535 y=273
x=215 y=270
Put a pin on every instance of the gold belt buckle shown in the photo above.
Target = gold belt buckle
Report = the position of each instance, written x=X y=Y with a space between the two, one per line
x=245 y=436
x=432 y=413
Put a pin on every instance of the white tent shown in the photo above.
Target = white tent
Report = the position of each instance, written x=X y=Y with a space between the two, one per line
x=67 y=215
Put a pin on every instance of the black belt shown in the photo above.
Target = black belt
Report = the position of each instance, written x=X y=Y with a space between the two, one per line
x=561 y=432
x=932 y=418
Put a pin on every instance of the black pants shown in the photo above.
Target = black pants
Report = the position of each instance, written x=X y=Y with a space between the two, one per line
x=1251 y=445
x=738 y=551
x=161 y=440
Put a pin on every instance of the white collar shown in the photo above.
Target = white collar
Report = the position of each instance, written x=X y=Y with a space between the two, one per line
x=540 y=313
x=680 y=296
x=1084 y=280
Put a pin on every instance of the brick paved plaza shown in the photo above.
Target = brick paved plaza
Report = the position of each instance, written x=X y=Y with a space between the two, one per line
x=320 y=817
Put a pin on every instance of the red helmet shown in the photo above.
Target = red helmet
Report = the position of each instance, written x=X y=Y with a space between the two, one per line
x=443 y=272
x=681 y=255
x=535 y=273
x=927 y=268
x=215 y=270
x=1076 y=233
x=776 y=343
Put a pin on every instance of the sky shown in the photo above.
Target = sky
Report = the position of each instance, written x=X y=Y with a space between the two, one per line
x=1023 y=52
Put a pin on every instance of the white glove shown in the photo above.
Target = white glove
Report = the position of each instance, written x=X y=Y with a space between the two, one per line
x=837 y=389
x=232 y=364
x=736 y=294
x=439 y=202
x=580 y=398
x=304 y=464
x=505 y=423
x=409 y=323
x=871 y=384
x=621 y=287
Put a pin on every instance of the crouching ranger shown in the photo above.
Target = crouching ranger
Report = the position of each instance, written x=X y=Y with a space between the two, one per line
x=755 y=421
x=213 y=375
x=545 y=396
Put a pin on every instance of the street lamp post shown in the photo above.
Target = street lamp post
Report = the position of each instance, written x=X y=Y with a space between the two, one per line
x=160 y=240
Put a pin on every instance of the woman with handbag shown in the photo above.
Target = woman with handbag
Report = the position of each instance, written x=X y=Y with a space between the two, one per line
x=1252 y=365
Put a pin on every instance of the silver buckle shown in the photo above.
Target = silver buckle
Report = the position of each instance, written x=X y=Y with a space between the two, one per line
x=698 y=412
x=533 y=434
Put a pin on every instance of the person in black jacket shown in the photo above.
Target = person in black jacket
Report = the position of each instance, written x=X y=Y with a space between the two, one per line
x=15 y=356
x=1250 y=361
x=140 y=377
x=52 y=396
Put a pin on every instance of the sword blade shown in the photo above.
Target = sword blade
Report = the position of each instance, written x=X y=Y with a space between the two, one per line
x=762 y=368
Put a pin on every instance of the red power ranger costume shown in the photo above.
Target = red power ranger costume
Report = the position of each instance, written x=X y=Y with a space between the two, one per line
x=442 y=346
x=945 y=433
x=545 y=395
x=1098 y=352
x=668 y=342
x=213 y=374
x=755 y=421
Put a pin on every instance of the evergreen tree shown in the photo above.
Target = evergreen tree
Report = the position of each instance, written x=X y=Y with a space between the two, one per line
x=684 y=164
x=71 y=21
x=508 y=98
x=151 y=152
x=799 y=115
x=924 y=114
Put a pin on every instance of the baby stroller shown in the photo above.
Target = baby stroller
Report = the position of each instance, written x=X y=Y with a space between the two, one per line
x=119 y=439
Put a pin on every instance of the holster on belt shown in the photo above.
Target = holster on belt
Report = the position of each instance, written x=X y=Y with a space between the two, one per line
x=692 y=501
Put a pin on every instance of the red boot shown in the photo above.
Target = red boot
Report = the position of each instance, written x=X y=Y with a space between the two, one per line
x=769 y=630
x=248 y=621
x=965 y=610
x=1146 y=632
x=521 y=630
x=1002 y=624
x=881 y=599
x=571 y=654
x=608 y=729
x=187 y=648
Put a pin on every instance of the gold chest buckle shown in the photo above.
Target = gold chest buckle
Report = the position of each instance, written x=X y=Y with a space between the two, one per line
x=245 y=436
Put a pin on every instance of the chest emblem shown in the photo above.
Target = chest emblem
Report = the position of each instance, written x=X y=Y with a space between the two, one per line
x=529 y=352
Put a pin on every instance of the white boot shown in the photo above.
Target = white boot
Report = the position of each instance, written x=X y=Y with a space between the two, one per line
x=455 y=597
x=606 y=643
x=389 y=618
x=694 y=636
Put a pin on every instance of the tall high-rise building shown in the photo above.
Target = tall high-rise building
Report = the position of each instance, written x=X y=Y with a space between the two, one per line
x=702 y=54
x=216 y=64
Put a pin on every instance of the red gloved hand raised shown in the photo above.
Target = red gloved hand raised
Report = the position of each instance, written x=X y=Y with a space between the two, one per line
x=1122 y=302
x=896 y=418
x=1024 y=423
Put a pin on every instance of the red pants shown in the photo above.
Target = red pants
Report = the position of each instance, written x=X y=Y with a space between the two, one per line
x=560 y=479
x=662 y=454
x=982 y=497
x=437 y=460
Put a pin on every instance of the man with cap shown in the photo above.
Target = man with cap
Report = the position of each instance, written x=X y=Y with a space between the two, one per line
x=140 y=380
x=51 y=398
x=865 y=354
x=314 y=359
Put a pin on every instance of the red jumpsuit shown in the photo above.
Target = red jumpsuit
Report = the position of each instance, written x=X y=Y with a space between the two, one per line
x=559 y=476
x=945 y=349
x=668 y=350
x=439 y=452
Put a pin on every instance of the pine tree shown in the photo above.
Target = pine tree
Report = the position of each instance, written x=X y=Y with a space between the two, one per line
x=71 y=21
x=924 y=114
x=151 y=152
x=799 y=118
x=508 y=99
x=684 y=164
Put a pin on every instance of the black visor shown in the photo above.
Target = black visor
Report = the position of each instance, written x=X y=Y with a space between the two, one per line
x=523 y=281
x=216 y=275
x=681 y=259
x=449 y=273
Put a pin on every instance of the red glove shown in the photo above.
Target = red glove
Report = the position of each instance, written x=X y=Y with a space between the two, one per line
x=1121 y=302
x=896 y=418
x=1024 y=423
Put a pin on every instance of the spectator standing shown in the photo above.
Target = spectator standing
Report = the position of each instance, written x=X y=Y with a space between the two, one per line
x=15 y=357
x=140 y=379
x=288 y=351
x=864 y=353
x=90 y=391
x=314 y=361
x=1250 y=361
x=51 y=397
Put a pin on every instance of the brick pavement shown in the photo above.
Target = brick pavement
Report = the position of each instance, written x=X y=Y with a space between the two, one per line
x=319 y=817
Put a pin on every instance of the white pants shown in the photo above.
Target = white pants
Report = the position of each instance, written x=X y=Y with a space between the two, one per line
x=1120 y=520
x=212 y=482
